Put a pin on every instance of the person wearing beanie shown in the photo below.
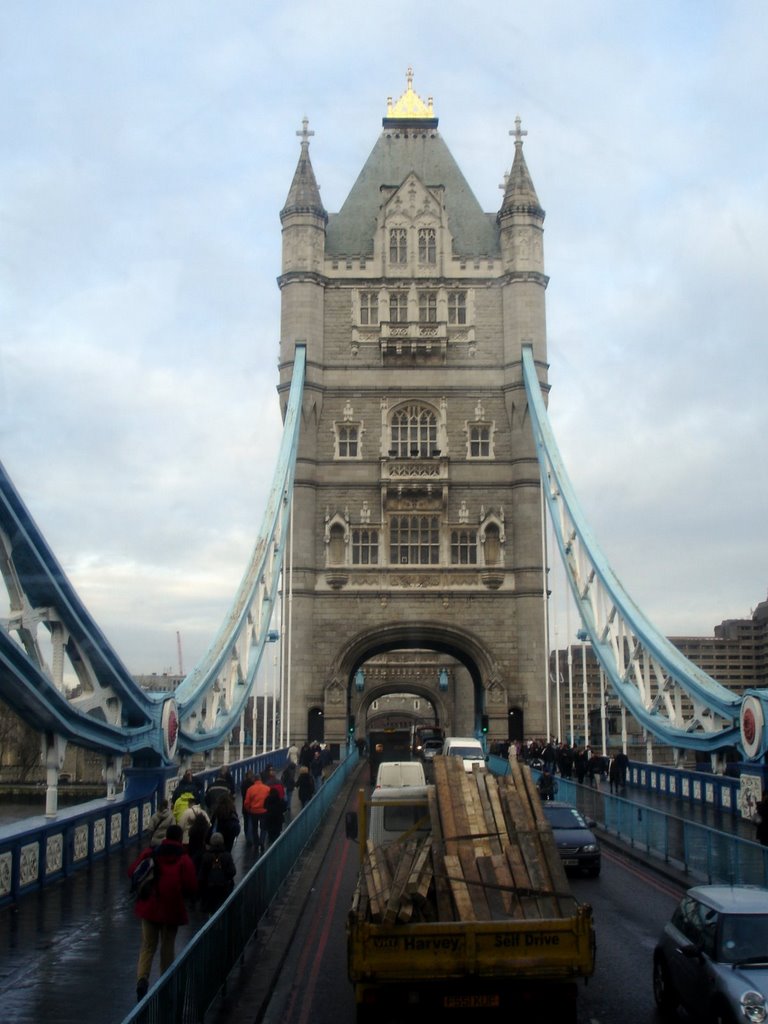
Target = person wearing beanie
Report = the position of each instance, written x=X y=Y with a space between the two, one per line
x=217 y=873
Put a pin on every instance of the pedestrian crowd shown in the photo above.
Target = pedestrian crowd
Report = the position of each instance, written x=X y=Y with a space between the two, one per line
x=581 y=763
x=188 y=858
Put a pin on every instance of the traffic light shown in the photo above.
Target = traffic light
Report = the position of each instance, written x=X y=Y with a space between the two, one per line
x=351 y=726
x=484 y=724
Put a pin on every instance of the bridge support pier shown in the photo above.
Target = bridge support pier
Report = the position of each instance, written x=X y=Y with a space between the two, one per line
x=142 y=782
x=54 y=749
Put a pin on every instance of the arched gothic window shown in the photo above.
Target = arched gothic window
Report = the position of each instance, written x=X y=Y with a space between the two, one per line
x=414 y=432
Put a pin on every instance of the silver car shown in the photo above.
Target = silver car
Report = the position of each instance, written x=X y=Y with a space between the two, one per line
x=431 y=748
x=712 y=957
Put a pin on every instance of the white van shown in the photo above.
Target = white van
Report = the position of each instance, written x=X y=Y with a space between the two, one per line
x=466 y=747
x=400 y=773
x=395 y=810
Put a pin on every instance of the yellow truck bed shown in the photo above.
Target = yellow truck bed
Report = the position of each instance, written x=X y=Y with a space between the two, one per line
x=468 y=907
x=552 y=949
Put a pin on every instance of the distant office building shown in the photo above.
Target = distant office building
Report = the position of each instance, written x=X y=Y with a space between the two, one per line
x=736 y=656
x=163 y=682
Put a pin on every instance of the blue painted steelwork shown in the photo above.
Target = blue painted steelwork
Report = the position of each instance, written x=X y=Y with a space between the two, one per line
x=37 y=851
x=108 y=711
x=670 y=696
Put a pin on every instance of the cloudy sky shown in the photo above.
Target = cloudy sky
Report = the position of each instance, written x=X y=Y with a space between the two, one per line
x=147 y=151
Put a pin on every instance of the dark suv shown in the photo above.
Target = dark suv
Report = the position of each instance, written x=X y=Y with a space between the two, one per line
x=712 y=957
x=576 y=842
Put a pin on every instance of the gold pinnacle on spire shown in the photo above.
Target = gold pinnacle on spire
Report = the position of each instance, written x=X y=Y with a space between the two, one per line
x=518 y=132
x=305 y=133
x=410 y=105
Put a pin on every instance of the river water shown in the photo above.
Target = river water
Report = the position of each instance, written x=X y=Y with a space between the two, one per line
x=18 y=808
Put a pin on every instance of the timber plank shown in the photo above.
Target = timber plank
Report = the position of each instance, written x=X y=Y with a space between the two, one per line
x=481 y=779
x=397 y=896
x=474 y=883
x=492 y=889
x=443 y=901
x=465 y=910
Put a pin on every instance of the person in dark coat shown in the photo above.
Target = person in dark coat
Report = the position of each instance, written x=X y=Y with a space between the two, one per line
x=187 y=784
x=216 y=875
x=274 y=808
x=316 y=769
x=547 y=785
x=162 y=909
x=226 y=821
x=305 y=787
x=288 y=779
x=217 y=789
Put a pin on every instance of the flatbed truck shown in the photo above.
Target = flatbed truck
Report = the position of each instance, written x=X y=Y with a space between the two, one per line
x=462 y=904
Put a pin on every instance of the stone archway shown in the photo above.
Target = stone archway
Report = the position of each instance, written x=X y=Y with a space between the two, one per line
x=475 y=688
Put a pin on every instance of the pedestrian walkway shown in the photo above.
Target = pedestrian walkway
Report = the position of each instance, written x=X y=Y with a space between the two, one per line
x=68 y=952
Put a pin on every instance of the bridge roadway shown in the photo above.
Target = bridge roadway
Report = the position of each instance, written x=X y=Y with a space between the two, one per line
x=68 y=953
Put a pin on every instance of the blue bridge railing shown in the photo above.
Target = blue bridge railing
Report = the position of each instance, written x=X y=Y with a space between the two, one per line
x=187 y=989
x=39 y=851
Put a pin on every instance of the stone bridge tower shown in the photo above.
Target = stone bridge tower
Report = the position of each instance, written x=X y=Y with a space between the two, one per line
x=417 y=495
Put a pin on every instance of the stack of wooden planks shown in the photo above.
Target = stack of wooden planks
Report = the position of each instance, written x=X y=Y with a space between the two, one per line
x=490 y=856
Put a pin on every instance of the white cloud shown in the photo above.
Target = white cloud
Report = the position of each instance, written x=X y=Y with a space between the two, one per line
x=147 y=152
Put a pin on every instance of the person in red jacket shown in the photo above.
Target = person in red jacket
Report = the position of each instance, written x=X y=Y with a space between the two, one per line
x=253 y=805
x=162 y=909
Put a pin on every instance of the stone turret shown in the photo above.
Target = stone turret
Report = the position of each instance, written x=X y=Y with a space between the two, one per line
x=302 y=284
x=521 y=221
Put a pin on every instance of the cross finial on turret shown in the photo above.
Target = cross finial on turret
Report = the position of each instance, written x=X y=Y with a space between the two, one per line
x=305 y=133
x=518 y=132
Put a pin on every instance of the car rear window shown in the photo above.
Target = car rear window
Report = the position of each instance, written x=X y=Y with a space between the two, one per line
x=564 y=817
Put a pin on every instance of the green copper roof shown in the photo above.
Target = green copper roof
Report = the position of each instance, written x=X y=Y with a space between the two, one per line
x=398 y=152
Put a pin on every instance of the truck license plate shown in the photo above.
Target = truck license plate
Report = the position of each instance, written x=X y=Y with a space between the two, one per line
x=470 y=1002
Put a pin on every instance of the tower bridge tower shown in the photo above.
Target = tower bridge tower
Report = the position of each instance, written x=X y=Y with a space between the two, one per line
x=417 y=515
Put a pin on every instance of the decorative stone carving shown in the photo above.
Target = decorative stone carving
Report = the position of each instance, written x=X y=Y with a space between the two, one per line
x=54 y=853
x=495 y=693
x=29 y=863
x=99 y=835
x=80 y=845
x=6 y=868
x=334 y=693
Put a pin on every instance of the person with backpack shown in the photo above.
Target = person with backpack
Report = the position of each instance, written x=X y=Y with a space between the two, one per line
x=305 y=787
x=226 y=821
x=274 y=809
x=288 y=779
x=194 y=824
x=216 y=874
x=160 y=903
x=159 y=822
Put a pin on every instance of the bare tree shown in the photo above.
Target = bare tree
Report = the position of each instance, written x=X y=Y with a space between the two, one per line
x=19 y=745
